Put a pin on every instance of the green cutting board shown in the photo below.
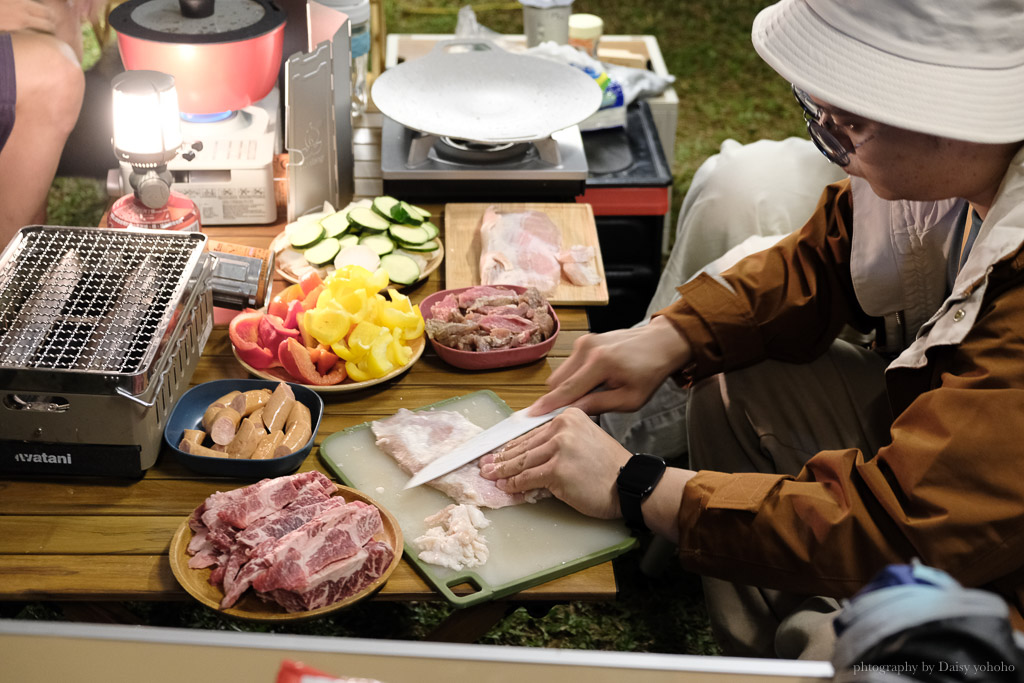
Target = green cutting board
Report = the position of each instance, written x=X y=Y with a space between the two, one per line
x=529 y=544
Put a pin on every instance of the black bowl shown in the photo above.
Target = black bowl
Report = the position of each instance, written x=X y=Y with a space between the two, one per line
x=188 y=414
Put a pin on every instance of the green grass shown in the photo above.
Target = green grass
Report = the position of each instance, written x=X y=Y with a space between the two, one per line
x=724 y=91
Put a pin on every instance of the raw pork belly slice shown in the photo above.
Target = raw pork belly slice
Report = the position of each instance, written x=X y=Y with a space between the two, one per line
x=288 y=537
x=287 y=562
x=414 y=439
x=307 y=550
x=520 y=249
x=339 y=580
x=218 y=519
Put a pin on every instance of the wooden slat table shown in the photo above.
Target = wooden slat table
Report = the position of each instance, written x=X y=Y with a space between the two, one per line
x=89 y=543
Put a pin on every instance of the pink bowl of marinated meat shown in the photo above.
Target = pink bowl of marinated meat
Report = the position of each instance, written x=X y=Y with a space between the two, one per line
x=487 y=327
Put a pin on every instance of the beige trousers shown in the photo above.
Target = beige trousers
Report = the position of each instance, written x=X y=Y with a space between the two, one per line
x=772 y=418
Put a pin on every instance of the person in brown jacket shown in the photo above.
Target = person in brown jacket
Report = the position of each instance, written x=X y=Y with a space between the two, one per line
x=816 y=461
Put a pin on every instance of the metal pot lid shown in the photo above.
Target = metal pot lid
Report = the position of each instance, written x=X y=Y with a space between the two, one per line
x=181 y=21
x=485 y=95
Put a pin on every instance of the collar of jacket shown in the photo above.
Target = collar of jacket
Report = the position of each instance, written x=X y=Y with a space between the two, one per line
x=899 y=254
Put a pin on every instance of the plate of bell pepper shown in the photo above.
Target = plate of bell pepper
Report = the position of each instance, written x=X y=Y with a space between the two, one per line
x=344 y=333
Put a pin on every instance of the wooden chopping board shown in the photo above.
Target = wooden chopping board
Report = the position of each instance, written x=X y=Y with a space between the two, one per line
x=529 y=544
x=463 y=242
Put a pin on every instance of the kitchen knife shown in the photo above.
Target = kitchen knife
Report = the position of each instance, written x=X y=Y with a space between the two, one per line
x=514 y=425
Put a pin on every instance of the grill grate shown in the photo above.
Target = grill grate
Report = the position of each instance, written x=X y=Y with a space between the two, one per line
x=94 y=300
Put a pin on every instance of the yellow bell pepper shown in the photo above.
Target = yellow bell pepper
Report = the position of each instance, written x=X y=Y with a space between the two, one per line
x=357 y=373
x=327 y=324
x=377 y=362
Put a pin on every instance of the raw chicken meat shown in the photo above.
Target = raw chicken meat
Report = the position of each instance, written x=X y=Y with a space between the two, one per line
x=579 y=264
x=414 y=439
x=520 y=249
x=453 y=538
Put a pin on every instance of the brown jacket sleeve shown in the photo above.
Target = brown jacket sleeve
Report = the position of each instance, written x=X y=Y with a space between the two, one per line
x=946 y=490
x=787 y=302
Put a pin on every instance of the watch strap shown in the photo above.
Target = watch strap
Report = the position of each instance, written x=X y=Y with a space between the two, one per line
x=636 y=480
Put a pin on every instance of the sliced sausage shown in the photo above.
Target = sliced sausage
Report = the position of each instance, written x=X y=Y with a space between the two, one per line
x=267 y=446
x=255 y=399
x=224 y=425
x=197 y=449
x=299 y=414
x=294 y=438
x=195 y=436
x=226 y=398
x=257 y=417
x=246 y=439
x=275 y=412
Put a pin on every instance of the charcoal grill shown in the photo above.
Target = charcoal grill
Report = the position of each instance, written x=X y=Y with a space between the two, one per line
x=100 y=331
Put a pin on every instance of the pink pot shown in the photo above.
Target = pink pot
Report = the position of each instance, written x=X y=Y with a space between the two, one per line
x=213 y=72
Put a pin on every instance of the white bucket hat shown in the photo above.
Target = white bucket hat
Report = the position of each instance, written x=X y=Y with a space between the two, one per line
x=952 y=68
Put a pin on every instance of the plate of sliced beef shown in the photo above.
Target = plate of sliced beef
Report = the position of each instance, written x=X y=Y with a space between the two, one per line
x=487 y=327
x=287 y=548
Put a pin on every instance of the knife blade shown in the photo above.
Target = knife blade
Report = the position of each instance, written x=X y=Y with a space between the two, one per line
x=516 y=424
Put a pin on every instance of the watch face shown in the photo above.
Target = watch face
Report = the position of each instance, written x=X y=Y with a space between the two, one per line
x=641 y=473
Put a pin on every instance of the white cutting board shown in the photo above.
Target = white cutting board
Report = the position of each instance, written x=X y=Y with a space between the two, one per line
x=529 y=544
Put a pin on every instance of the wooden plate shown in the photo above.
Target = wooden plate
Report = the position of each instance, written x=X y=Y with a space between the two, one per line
x=197 y=581
x=283 y=375
x=280 y=243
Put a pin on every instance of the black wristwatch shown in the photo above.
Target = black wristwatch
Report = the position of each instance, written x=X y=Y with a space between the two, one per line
x=636 y=480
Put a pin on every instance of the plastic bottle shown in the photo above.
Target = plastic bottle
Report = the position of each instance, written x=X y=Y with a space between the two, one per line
x=358 y=12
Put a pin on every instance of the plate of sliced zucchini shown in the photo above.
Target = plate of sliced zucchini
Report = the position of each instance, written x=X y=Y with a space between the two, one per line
x=382 y=232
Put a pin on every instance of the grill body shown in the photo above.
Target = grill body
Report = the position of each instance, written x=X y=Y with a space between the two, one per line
x=100 y=331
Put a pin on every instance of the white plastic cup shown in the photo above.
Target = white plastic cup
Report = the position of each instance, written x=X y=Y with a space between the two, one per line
x=541 y=24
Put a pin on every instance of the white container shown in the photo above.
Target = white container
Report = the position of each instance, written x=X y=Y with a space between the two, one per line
x=545 y=20
x=585 y=32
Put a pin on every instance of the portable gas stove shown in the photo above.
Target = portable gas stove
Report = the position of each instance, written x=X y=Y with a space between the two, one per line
x=100 y=331
x=422 y=167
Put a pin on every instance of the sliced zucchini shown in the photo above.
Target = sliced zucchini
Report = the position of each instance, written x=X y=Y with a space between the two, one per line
x=432 y=230
x=306 y=234
x=424 y=214
x=323 y=252
x=409 y=234
x=336 y=224
x=379 y=242
x=430 y=245
x=367 y=219
x=404 y=213
x=348 y=240
x=401 y=269
x=384 y=206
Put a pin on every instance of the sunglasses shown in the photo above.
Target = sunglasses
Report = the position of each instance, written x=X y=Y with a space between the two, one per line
x=820 y=125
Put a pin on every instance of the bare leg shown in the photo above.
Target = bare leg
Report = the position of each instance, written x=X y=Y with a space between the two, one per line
x=50 y=85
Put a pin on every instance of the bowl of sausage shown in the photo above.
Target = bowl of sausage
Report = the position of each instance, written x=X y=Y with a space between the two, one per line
x=488 y=327
x=244 y=428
